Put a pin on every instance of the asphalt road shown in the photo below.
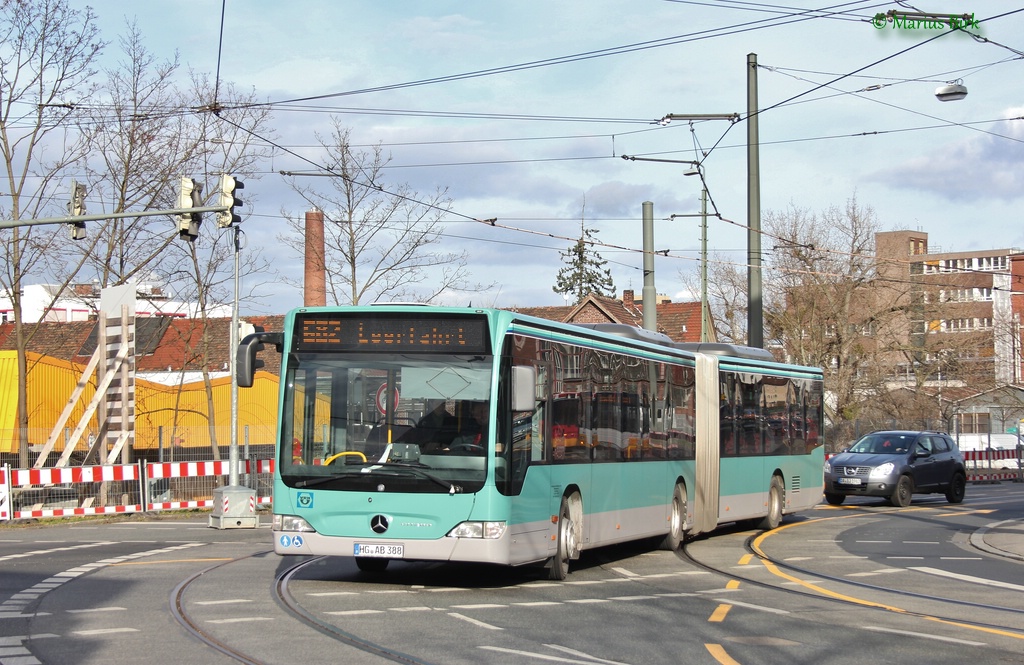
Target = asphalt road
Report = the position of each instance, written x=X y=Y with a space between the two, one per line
x=834 y=585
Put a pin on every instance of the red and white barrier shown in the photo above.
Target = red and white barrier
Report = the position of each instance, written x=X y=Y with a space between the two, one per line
x=17 y=480
x=5 y=494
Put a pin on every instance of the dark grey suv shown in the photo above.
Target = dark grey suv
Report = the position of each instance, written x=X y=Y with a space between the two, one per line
x=895 y=465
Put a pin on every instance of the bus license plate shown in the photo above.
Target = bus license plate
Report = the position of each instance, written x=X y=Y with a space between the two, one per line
x=849 y=481
x=390 y=551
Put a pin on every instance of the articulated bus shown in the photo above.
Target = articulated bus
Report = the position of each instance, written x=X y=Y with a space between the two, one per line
x=479 y=435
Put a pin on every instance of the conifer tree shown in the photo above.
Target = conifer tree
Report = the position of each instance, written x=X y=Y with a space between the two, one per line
x=584 y=272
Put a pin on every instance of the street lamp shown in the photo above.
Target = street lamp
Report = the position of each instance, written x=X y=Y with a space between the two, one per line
x=951 y=92
x=650 y=293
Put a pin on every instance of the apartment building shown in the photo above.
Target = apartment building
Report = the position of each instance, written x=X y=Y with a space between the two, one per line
x=966 y=305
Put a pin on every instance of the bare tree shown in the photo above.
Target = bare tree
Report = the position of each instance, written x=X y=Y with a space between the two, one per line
x=727 y=297
x=47 y=51
x=207 y=272
x=141 y=140
x=817 y=301
x=379 y=240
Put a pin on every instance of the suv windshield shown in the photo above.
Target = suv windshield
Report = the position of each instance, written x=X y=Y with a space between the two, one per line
x=404 y=423
x=889 y=443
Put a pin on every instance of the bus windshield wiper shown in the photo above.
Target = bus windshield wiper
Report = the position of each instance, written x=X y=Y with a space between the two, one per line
x=313 y=482
x=416 y=470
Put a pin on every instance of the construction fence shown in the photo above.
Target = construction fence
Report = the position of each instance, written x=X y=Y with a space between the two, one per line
x=125 y=488
x=159 y=486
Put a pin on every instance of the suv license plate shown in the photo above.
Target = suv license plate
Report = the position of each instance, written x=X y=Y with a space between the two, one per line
x=390 y=551
x=849 y=481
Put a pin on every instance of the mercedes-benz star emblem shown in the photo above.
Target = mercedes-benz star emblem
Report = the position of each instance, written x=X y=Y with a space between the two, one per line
x=379 y=523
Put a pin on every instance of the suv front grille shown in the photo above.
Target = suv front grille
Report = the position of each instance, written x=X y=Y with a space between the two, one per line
x=851 y=470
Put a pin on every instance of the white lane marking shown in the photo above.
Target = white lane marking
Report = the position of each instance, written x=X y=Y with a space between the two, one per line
x=961 y=558
x=625 y=572
x=22 y=555
x=226 y=601
x=555 y=659
x=927 y=636
x=334 y=593
x=478 y=606
x=481 y=624
x=969 y=578
x=105 y=631
x=574 y=652
x=240 y=620
x=351 y=613
x=751 y=606
x=880 y=571
x=98 y=609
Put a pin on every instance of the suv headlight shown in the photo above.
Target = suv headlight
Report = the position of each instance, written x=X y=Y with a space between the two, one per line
x=882 y=470
x=828 y=467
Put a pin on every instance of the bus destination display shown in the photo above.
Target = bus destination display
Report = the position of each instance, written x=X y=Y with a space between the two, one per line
x=376 y=333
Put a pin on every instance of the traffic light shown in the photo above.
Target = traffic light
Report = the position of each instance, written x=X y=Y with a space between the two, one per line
x=76 y=208
x=229 y=186
x=189 y=197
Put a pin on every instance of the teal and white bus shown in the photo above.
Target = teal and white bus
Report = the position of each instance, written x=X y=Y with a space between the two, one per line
x=480 y=435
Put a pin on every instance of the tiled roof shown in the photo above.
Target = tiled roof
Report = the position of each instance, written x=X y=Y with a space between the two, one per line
x=678 y=320
x=176 y=344
x=179 y=348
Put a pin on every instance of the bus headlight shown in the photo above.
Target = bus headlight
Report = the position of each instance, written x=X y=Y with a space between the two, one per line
x=291 y=523
x=488 y=530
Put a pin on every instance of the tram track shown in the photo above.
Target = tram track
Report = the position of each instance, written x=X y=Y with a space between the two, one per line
x=288 y=604
x=800 y=586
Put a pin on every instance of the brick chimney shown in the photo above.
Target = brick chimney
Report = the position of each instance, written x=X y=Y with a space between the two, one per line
x=627 y=298
x=314 y=285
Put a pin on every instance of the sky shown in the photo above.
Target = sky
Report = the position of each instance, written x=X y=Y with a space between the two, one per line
x=524 y=111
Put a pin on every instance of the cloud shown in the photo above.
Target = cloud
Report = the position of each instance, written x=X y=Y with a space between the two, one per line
x=983 y=167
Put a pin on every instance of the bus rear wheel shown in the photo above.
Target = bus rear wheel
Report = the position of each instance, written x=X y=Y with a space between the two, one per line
x=677 y=520
x=566 y=545
x=776 y=499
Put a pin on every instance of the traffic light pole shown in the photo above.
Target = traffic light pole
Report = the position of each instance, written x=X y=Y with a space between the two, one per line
x=234 y=506
x=68 y=219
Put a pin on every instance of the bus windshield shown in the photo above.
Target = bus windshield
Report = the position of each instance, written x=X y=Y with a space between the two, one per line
x=393 y=423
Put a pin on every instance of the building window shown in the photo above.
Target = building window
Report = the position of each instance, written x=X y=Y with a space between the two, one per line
x=974 y=423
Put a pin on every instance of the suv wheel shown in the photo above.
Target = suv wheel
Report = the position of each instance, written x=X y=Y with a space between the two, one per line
x=901 y=494
x=835 y=499
x=957 y=488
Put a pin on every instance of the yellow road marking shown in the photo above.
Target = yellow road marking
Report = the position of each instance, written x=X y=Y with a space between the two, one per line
x=719 y=654
x=719 y=614
x=773 y=569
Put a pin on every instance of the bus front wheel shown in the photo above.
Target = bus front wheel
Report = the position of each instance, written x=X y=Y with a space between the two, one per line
x=566 y=544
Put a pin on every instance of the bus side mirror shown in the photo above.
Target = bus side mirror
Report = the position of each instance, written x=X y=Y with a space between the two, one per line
x=524 y=382
x=246 y=361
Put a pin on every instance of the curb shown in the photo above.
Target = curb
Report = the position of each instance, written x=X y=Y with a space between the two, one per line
x=978 y=541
